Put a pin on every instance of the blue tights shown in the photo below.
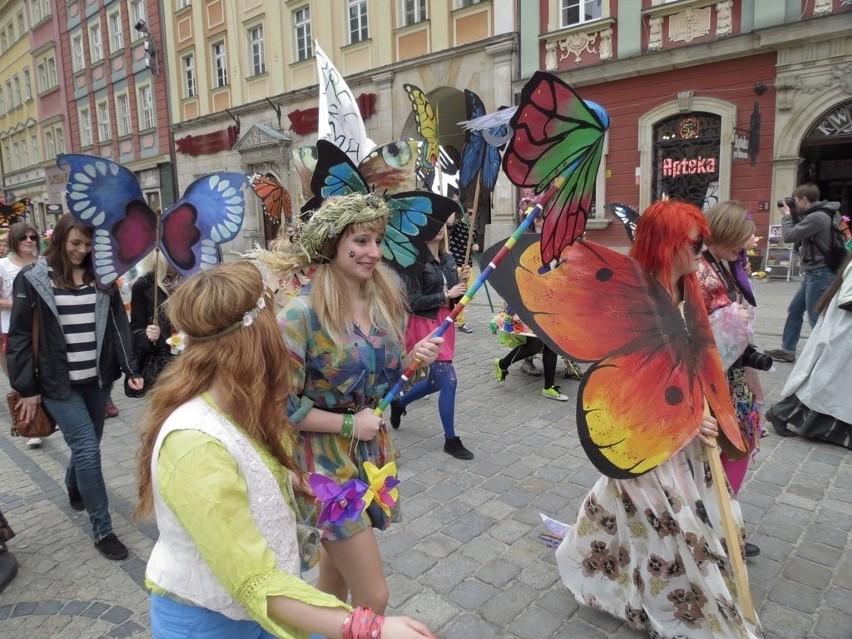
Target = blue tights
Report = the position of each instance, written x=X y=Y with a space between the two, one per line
x=442 y=379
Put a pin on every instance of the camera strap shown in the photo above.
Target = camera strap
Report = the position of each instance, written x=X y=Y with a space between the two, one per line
x=733 y=291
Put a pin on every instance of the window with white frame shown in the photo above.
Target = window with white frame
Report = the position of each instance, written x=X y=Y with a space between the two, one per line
x=6 y=155
x=50 y=64
x=96 y=46
x=576 y=12
x=85 y=117
x=16 y=84
x=25 y=154
x=358 y=30
x=257 y=50
x=468 y=3
x=183 y=4
x=22 y=24
x=36 y=154
x=2 y=102
x=302 y=25
x=220 y=64
x=28 y=85
x=122 y=113
x=49 y=145
x=60 y=139
x=116 y=36
x=78 y=58
x=15 y=159
x=104 y=128
x=3 y=44
x=9 y=94
x=190 y=83
x=35 y=11
x=12 y=36
x=146 y=107
x=137 y=13
x=413 y=11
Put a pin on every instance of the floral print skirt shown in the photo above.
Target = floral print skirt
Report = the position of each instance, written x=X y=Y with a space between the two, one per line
x=644 y=550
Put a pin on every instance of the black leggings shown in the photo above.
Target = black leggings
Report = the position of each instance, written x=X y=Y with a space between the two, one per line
x=533 y=346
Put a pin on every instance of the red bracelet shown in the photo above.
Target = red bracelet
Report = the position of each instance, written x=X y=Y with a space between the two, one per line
x=362 y=623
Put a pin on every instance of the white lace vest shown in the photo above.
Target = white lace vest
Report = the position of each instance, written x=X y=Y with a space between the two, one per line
x=175 y=564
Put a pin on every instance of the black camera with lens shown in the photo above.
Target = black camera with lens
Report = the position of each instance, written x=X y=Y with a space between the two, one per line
x=790 y=202
x=753 y=358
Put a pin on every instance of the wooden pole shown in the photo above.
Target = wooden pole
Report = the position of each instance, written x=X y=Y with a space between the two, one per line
x=730 y=528
x=156 y=318
x=470 y=230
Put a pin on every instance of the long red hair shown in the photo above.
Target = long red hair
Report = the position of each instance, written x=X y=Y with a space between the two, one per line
x=663 y=228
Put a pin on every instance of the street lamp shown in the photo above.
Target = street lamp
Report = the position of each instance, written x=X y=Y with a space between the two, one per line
x=152 y=57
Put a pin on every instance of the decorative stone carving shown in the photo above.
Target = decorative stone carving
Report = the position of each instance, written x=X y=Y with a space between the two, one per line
x=822 y=7
x=844 y=77
x=655 y=35
x=550 y=61
x=724 y=20
x=690 y=24
x=605 y=48
x=575 y=44
x=684 y=101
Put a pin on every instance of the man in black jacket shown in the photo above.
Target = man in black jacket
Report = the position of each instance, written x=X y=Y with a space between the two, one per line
x=810 y=230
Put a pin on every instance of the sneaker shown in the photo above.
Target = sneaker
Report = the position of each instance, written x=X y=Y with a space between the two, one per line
x=75 y=499
x=499 y=373
x=111 y=409
x=111 y=548
x=34 y=442
x=554 y=392
x=396 y=413
x=455 y=448
x=528 y=367
x=780 y=355
x=751 y=550
x=464 y=328
x=778 y=425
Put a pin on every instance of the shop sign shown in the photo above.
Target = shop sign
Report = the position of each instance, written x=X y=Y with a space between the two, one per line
x=209 y=143
x=838 y=122
x=689 y=166
x=306 y=121
x=741 y=147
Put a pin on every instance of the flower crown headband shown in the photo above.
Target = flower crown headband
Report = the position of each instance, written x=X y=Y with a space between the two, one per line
x=248 y=320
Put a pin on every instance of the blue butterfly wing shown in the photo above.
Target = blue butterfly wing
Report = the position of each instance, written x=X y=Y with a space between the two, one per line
x=335 y=174
x=474 y=147
x=490 y=167
x=108 y=197
x=416 y=218
x=210 y=213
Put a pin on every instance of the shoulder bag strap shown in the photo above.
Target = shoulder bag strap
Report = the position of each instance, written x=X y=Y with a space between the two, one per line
x=35 y=334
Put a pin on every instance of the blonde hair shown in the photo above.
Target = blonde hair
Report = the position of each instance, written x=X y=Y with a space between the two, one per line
x=386 y=299
x=730 y=224
x=155 y=261
x=252 y=361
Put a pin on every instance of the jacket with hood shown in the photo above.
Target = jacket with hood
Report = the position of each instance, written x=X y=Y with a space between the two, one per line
x=33 y=290
x=812 y=233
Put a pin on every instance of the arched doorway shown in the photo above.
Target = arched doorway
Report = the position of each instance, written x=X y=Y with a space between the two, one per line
x=826 y=153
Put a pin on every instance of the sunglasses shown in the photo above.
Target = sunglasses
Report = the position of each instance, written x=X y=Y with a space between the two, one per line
x=31 y=237
x=697 y=245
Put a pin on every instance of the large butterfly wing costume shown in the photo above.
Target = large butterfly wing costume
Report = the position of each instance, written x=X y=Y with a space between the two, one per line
x=416 y=216
x=107 y=196
x=479 y=157
x=642 y=399
x=556 y=134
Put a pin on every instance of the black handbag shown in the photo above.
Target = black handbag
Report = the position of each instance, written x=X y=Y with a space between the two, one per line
x=153 y=364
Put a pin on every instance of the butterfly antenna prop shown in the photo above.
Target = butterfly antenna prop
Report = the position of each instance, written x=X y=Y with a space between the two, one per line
x=532 y=213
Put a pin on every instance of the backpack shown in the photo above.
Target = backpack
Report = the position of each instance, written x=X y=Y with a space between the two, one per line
x=836 y=253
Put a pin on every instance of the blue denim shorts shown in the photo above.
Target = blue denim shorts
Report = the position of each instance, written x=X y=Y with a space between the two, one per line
x=171 y=619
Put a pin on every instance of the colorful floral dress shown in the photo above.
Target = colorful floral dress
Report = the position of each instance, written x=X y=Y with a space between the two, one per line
x=341 y=378
x=644 y=550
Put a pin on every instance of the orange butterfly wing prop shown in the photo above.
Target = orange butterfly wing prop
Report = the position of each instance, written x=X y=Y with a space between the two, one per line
x=643 y=399
x=277 y=205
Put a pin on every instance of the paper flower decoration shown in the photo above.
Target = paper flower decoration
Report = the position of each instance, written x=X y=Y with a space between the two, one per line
x=383 y=485
x=338 y=503
x=177 y=342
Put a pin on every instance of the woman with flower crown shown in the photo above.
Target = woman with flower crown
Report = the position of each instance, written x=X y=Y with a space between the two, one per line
x=346 y=335
x=216 y=468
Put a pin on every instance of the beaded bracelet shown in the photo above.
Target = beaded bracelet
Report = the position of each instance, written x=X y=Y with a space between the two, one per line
x=348 y=426
x=362 y=623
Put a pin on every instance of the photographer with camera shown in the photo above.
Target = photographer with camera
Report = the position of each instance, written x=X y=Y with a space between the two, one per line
x=730 y=303
x=808 y=225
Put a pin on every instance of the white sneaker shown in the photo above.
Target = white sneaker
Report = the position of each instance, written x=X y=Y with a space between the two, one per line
x=554 y=392
x=34 y=442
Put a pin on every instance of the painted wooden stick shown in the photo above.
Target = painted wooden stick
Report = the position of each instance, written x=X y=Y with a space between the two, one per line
x=472 y=221
x=465 y=300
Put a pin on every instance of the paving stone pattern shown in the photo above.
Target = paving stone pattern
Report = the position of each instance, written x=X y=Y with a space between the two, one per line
x=467 y=559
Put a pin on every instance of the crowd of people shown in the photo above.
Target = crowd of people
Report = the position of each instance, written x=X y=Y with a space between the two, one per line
x=258 y=403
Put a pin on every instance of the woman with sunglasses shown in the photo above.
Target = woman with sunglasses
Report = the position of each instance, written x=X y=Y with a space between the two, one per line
x=23 y=243
x=649 y=549
x=85 y=344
